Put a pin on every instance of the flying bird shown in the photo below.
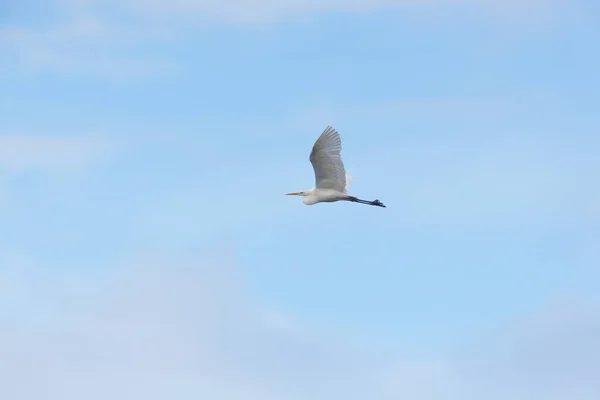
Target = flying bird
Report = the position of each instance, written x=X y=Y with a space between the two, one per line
x=330 y=175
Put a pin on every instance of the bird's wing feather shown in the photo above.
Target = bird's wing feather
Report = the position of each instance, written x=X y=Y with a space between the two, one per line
x=326 y=160
x=348 y=182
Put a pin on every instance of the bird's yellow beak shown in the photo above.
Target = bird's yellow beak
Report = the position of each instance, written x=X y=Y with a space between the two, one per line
x=293 y=194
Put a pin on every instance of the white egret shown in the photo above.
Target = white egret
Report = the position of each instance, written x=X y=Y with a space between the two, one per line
x=330 y=176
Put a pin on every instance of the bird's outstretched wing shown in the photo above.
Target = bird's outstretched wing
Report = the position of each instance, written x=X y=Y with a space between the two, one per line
x=327 y=162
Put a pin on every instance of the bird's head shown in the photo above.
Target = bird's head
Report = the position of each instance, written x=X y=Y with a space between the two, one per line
x=307 y=192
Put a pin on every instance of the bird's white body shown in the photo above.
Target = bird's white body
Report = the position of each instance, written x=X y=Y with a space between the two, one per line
x=314 y=196
x=331 y=180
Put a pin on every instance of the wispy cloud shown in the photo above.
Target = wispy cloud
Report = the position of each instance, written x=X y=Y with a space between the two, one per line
x=261 y=11
x=85 y=45
x=101 y=37
x=48 y=153
x=162 y=327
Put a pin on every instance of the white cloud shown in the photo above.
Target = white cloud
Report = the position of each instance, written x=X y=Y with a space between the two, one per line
x=84 y=45
x=25 y=152
x=165 y=328
x=252 y=11
x=159 y=331
x=102 y=37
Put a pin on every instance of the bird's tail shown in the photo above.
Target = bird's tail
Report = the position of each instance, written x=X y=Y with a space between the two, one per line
x=348 y=182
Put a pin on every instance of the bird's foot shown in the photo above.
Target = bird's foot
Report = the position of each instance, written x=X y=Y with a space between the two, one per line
x=376 y=202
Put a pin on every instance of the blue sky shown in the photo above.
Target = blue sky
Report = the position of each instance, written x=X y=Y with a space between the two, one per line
x=147 y=246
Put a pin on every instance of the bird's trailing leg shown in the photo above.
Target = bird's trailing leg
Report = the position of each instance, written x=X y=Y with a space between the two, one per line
x=375 y=202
